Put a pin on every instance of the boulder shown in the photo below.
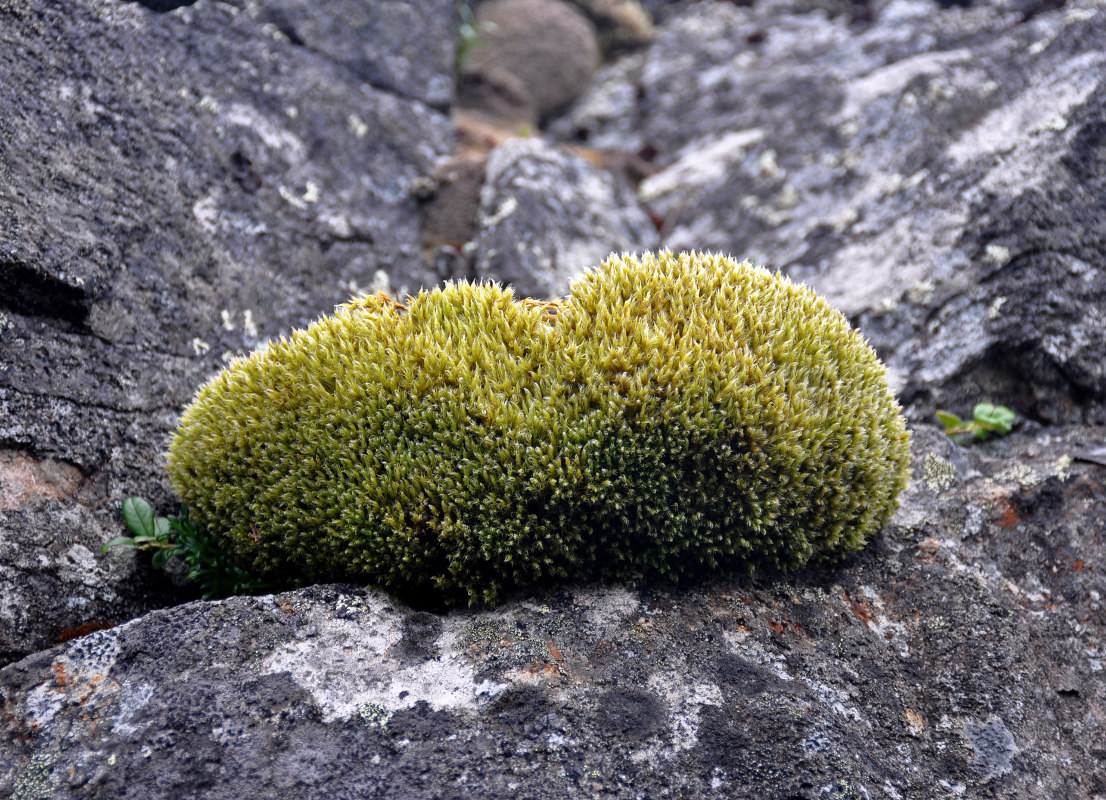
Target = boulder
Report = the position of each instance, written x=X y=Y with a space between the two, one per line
x=405 y=48
x=937 y=174
x=620 y=24
x=529 y=59
x=174 y=189
x=960 y=655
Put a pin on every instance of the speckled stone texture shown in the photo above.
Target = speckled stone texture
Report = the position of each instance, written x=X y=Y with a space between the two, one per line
x=546 y=216
x=174 y=189
x=936 y=172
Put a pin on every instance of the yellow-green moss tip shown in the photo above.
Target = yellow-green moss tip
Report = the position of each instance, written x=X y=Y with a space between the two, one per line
x=674 y=414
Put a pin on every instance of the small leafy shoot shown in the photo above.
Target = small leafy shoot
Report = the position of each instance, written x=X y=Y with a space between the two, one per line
x=995 y=419
x=209 y=566
x=139 y=517
x=987 y=418
x=950 y=421
x=469 y=34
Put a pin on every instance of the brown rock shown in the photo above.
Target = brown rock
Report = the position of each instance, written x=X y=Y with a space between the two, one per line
x=449 y=215
x=544 y=50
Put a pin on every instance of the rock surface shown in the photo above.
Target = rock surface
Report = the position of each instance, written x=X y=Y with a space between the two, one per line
x=174 y=189
x=938 y=176
x=961 y=655
x=545 y=216
x=179 y=186
x=399 y=46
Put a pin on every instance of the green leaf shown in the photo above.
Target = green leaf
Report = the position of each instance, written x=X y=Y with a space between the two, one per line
x=999 y=419
x=209 y=567
x=138 y=516
x=949 y=420
x=118 y=541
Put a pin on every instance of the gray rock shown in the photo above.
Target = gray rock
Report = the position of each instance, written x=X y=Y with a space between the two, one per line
x=547 y=215
x=174 y=189
x=960 y=655
x=936 y=174
x=399 y=46
x=621 y=24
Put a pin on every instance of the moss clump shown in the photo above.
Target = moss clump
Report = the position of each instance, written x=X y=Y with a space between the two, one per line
x=674 y=414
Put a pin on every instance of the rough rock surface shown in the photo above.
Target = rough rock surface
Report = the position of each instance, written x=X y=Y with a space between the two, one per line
x=178 y=186
x=938 y=175
x=546 y=215
x=621 y=24
x=399 y=46
x=174 y=188
x=961 y=655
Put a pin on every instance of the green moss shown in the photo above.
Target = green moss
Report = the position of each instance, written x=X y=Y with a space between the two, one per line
x=674 y=414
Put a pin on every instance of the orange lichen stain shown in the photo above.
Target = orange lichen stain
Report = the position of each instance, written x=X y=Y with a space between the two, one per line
x=543 y=669
x=860 y=608
x=84 y=630
x=59 y=673
x=1009 y=517
x=24 y=479
x=553 y=651
x=927 y=550
x=914 y=720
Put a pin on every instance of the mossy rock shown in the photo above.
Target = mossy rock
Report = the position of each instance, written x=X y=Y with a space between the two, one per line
x=674 y=415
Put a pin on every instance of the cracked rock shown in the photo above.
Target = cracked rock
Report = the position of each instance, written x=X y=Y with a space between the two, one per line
x=175 y=188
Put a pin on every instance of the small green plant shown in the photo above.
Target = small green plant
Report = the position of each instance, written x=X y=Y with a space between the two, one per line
x=469 y=34
x=987 y=418
x=209 y=566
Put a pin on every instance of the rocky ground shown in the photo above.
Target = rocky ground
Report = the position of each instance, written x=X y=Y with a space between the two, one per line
x=181 y=181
